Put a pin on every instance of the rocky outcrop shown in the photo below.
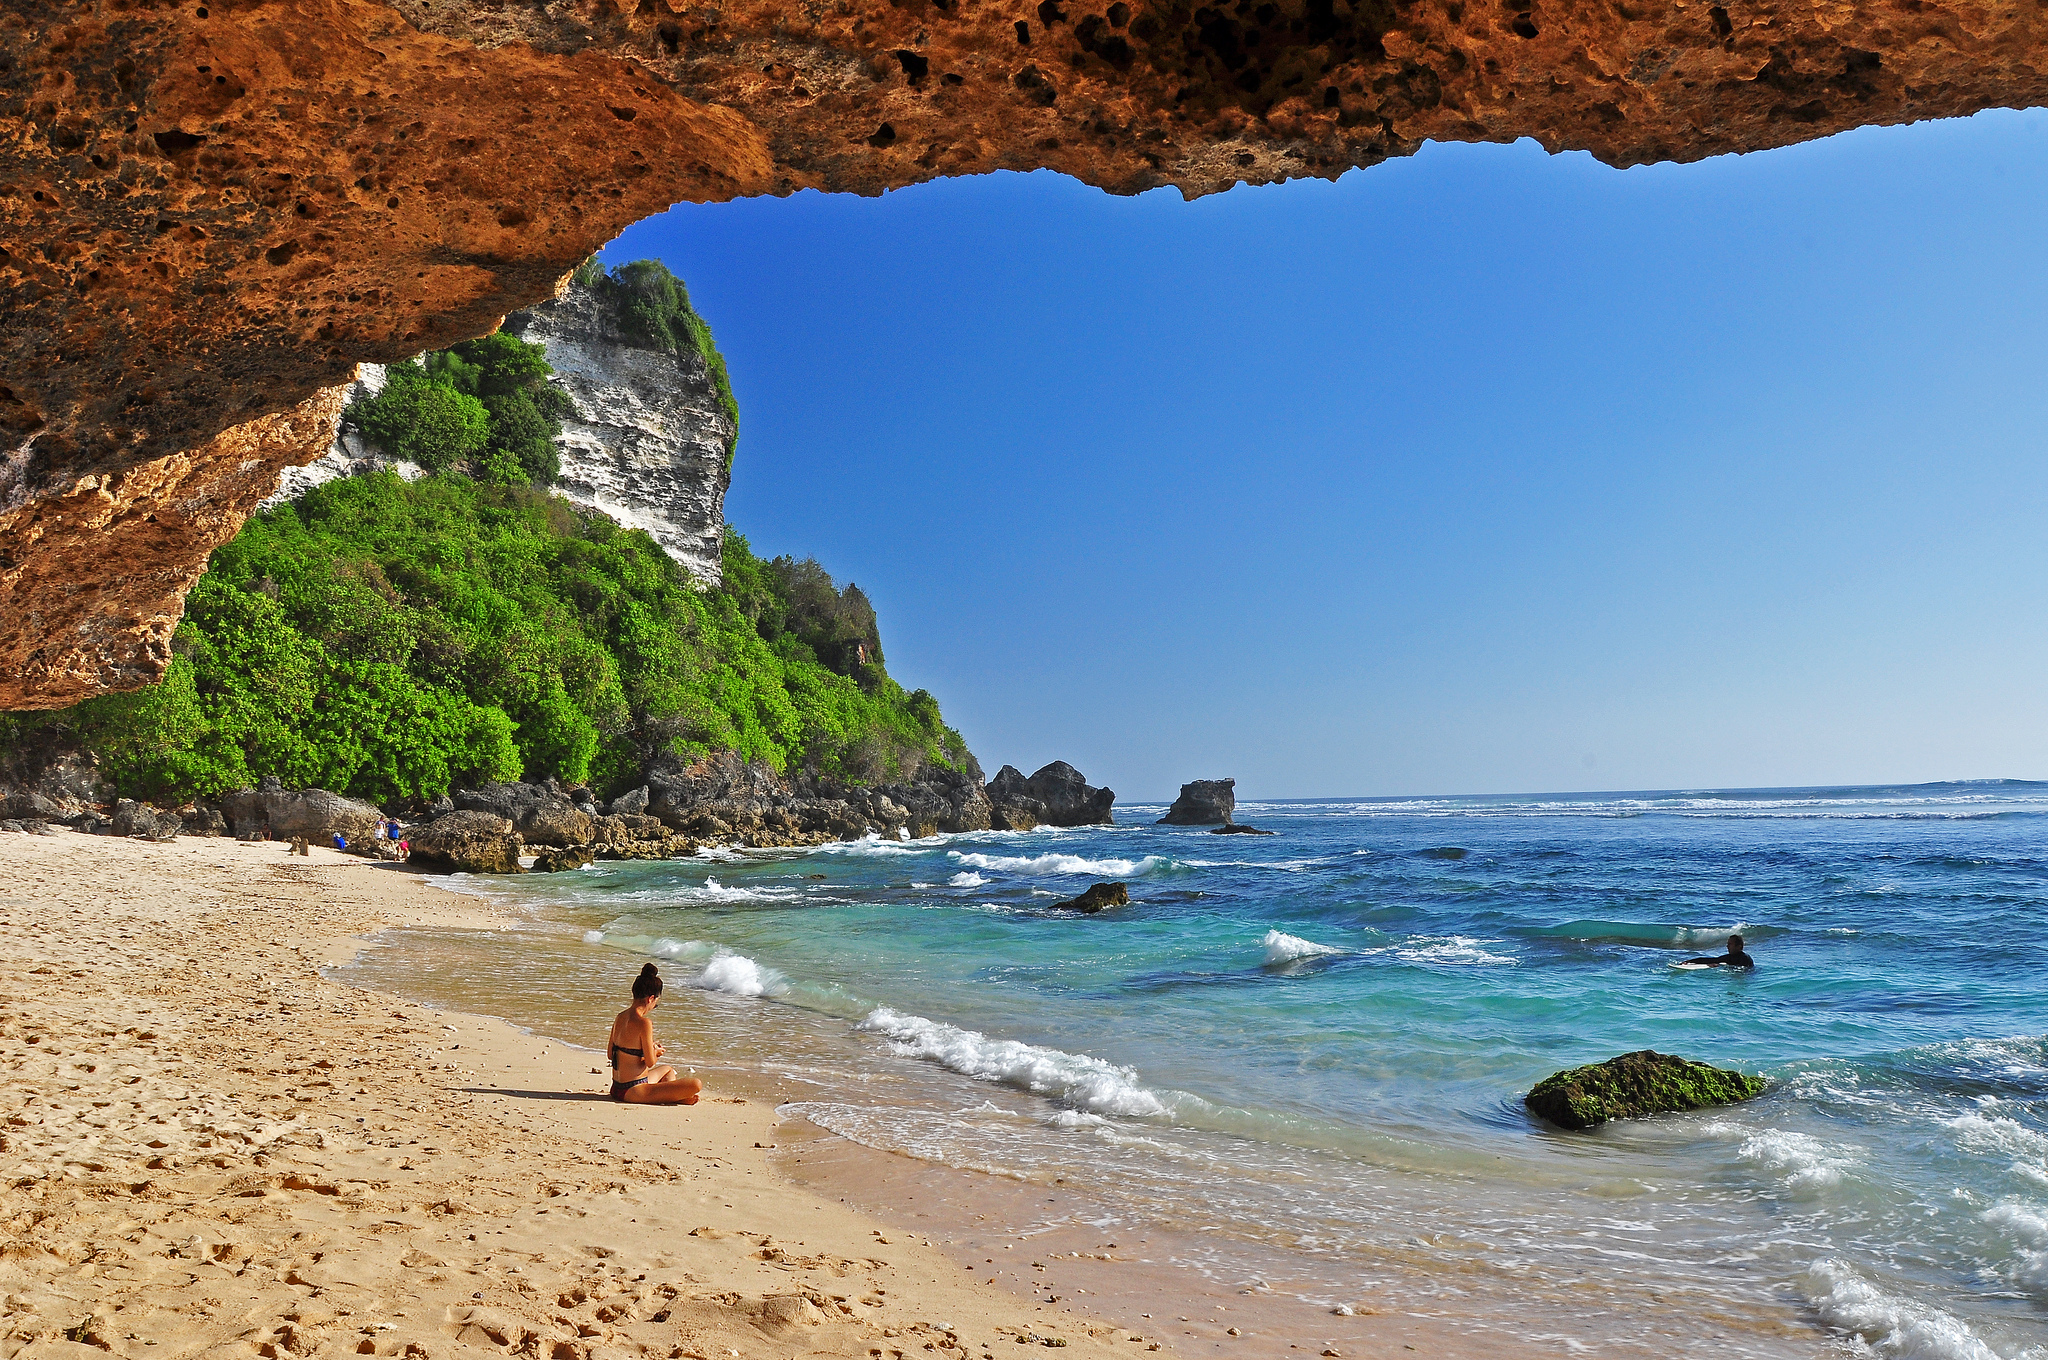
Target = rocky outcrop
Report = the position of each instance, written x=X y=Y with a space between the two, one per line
x=723 y=797
x=541 y=813
x=252 y=198
x=283 y=813
x=1056 y=795
x=1239 y=829
x=1636 y=1084
x=1205 y=802
x=646 y=442
x=466 y=842
x=132 y=818
x=1099 y=898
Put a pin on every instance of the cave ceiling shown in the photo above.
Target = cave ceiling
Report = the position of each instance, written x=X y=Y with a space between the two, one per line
x=213 y=211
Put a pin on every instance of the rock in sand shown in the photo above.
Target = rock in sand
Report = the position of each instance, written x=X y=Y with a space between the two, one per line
x=468 y=842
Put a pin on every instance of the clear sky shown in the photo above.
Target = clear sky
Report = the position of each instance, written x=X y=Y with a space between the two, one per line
x=1483 y=471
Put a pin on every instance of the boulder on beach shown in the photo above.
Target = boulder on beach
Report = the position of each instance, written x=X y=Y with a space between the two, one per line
x=1100 y=897
x=1205 y=802
x=562 y=860
x=140 y=819
x=541 y=813
x=1636 y=1084
x=467 y=842
x=1057 y=795
x=315 y=814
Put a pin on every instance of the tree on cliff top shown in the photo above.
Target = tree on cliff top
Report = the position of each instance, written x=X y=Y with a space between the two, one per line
x=652 y=307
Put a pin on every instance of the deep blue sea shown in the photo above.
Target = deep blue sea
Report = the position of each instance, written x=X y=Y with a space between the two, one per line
x=1313 y=1046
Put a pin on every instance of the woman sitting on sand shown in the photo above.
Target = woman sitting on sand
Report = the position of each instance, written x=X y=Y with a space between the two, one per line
x=633 y=1050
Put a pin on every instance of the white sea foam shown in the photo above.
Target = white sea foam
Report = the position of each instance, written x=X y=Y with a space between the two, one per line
x=1894 y=1326
x=1284 y=948
x=873 y=844
x=1072 y=1078
x=738 y=975
x=1805 y=1163
x=2028 y=1225
x=1062 y=864
x=1461 y=949
x=966 y=878
x=593 y=937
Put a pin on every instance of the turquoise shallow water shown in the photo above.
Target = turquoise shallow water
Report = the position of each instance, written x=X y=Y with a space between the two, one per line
x=1312 y=1046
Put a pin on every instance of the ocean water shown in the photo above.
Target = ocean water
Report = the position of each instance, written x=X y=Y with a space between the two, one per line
x=1310 y=1049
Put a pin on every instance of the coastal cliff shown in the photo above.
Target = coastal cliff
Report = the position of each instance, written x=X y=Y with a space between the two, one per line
x=646 y=436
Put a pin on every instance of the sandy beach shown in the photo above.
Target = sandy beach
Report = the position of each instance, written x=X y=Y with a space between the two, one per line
x=211 y=1150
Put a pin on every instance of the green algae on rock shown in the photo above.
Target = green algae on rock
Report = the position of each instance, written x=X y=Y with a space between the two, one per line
x=1636 y=1084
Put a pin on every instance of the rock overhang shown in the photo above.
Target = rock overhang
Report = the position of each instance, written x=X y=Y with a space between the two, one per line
x=215 y=210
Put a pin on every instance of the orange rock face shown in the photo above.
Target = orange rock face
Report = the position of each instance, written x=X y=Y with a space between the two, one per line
x=213 y=209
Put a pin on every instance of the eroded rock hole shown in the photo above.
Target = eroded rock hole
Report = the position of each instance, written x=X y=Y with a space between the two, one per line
x=1331 y=98
x=623 y=115
x=171 y=141
x=1723 y=26
x=670 y=36
x=1023 y=34
x=281 y=255
x=882 y=136
x=915 y=67
x=1033 y=82
x=1522 y=28
x=1119 y=14
x=1050 y=13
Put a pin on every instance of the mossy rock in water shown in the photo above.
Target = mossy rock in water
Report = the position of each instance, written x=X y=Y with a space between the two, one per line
x=1636 y=1084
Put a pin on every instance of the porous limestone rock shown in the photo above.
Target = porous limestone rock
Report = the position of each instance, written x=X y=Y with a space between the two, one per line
x=467 y=842
x=1636 y=1084
x=646 y=442
x=1057 y=795
x=1100 y=897
x=214 y=212
x=1204 y=802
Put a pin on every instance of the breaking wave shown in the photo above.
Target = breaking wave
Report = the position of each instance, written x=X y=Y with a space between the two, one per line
x=1074 y=1079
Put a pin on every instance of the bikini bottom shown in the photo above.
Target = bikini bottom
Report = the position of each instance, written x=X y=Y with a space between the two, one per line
x=619 y=1088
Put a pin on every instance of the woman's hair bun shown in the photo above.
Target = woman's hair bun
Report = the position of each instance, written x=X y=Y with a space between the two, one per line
x=647 y=970
x=647 y=984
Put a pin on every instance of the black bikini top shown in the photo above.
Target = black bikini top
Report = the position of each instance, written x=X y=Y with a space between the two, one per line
x=616 y=1051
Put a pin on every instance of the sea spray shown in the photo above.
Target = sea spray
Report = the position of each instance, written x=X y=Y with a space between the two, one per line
x=1282 y=948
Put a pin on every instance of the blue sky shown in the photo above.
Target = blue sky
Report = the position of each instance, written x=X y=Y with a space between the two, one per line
x=1482 y=471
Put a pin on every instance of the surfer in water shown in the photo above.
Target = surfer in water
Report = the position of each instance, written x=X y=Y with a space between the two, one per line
x=1734 y=958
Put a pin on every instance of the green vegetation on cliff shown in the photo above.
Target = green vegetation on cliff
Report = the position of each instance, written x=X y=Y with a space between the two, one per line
x=484 y=407
x=653 y=307
x=391 y=639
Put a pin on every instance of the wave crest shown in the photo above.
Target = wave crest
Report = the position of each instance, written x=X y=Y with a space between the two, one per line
x=1075 y=1079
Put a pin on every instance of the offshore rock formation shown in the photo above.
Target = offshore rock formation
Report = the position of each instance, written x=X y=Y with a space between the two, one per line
x=1204 y=802
x=647 y=442
x=213 y=212
x=1055 y=796
x=1636 y=1084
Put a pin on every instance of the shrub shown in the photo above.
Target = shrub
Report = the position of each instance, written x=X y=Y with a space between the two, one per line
x=422 y=420
x=392 y=640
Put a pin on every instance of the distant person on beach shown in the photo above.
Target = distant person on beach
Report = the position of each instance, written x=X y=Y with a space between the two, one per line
x=1734 y=958
x=633 y=1050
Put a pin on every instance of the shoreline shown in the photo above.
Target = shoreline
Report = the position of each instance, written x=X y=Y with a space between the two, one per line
x=214 y=1149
